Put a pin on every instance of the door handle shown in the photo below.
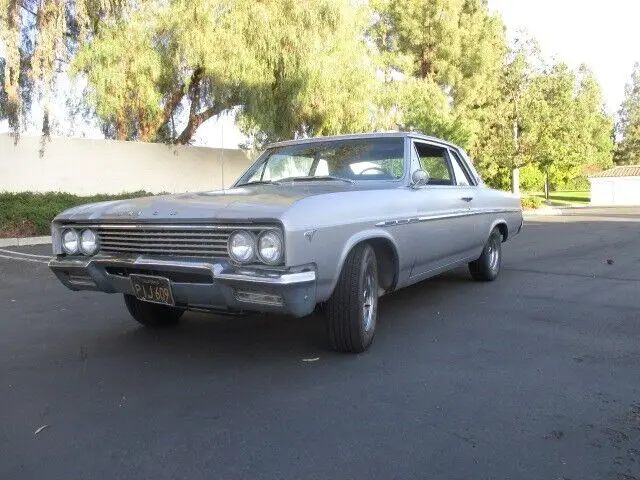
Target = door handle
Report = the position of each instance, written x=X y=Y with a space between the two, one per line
x=467 y=199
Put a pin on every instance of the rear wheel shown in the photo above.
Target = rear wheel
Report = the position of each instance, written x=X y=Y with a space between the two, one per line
x=152 y=314
x=487 y=267
x=352 y=310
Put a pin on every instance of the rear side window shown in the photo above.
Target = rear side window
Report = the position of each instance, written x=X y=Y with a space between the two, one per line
x=461 y=172
x=461 y=177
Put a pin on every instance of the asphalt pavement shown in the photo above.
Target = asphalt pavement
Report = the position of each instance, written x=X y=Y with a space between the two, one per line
x=534 y=376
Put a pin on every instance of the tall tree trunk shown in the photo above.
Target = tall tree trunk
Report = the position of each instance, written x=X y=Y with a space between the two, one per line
x=198 y=119
x=426 y=67
x=515 y=181
x=12 y=67
x=515 y=173
x=121 y=129
x=546 y=185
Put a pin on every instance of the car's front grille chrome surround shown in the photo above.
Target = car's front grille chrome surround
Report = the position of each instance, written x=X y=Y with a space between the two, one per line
x=190 y=240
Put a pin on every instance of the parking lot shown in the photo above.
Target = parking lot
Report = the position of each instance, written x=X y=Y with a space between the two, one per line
x=534 y=376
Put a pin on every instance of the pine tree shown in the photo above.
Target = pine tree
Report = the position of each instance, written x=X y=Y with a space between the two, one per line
x=628 y=128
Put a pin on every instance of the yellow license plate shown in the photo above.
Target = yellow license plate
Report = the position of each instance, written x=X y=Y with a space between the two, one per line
x=152 y=289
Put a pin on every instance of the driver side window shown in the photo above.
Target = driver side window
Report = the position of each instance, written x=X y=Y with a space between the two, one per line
x=435 y=162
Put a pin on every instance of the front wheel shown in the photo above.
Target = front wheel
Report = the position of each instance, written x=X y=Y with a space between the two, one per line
x=487 y=266
x=352 y=310
x=152 y=314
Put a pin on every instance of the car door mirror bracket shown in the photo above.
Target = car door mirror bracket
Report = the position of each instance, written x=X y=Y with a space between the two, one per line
x=419 y=178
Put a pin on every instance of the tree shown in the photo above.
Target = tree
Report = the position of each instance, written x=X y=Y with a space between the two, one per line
x=448 y=55
x=39 y=37
x=550 y=117
x=294 y=67
x=628 y=127
x=503 y=148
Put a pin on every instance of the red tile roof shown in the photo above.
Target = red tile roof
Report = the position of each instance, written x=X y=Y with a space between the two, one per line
x=619 y=171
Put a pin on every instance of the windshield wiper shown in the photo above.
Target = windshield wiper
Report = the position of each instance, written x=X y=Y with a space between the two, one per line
x=312 y=179
x=257 y=182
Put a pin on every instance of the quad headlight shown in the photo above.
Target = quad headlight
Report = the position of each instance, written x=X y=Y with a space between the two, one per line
x=246 y=247
x=270 y=247
x=85 y=242
x=70 y=242
x=242 y=246
x=88 y=242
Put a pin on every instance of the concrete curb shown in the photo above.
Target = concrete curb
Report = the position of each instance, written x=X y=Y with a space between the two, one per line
x=568 y=209
x=546 y=211
x=21 y=242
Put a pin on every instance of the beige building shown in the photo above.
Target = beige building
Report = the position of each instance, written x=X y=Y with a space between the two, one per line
x=617 y=186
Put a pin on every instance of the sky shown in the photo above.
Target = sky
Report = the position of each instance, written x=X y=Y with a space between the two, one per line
x=602 y=34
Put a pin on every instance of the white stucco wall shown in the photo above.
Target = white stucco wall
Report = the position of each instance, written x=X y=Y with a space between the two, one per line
x=86 y=167
x=615 y=191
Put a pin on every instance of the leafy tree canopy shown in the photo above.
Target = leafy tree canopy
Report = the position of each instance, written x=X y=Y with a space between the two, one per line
x=547 y=116
x=294 y=66
x=157 y=70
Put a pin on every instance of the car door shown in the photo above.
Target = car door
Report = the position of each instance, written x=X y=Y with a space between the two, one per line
x=447 y=232
x=471 y=193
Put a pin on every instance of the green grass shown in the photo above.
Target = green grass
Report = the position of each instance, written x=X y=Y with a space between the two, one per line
x=564 y=199
x=27 y=213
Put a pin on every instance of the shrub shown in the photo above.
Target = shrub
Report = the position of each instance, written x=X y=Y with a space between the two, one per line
x=28 y=213
x=531 y=178
x=529 y=203
x=579 y=184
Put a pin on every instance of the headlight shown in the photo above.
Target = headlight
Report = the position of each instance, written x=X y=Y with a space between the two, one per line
x=70 y=241
x=88 y=242
x=270 y=248
x=242 y=246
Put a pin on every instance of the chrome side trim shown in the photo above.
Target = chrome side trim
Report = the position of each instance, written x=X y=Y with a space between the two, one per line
x=442 y=216
x=173 y=226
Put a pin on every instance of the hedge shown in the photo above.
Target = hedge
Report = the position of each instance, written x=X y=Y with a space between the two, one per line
x=531 y=202
x=27 y=213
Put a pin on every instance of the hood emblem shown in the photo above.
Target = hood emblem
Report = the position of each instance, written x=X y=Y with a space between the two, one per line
x=309 y=234
x=129 y=213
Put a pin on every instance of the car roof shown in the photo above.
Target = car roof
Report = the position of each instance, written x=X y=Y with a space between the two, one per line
x=357 y=136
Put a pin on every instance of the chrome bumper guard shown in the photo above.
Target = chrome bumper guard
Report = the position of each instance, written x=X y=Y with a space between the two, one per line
x=196 y=283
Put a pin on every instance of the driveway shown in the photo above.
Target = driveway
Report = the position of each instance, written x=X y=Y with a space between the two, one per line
x=534 y=376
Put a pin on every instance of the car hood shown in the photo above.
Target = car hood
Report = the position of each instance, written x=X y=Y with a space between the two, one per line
x=248 y=202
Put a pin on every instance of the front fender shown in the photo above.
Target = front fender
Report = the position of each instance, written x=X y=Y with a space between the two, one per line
x=326 y=288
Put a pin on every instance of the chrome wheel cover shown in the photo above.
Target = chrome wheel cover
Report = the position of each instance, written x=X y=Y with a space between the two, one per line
x=493 y=254
x=369 y=297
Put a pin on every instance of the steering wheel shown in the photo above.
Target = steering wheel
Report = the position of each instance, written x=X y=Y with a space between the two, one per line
x=381 y=170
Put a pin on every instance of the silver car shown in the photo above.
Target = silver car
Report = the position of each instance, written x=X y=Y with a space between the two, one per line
x=328 y=223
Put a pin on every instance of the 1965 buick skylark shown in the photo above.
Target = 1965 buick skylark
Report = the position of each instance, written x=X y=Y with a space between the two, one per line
x=329 y=222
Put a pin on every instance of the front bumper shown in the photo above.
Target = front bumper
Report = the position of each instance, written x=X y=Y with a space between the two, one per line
x=198 y=284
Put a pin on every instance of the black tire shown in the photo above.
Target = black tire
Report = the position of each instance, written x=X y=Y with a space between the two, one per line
x=352 y=310
x=152 y=314
x=487 y=267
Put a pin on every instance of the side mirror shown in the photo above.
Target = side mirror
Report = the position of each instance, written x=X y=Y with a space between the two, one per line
x=419 y=178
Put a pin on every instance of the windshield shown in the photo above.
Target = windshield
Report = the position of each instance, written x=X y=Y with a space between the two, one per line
x=359 y=159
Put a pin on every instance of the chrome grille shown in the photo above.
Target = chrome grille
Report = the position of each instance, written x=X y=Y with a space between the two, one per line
x=177 y=240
